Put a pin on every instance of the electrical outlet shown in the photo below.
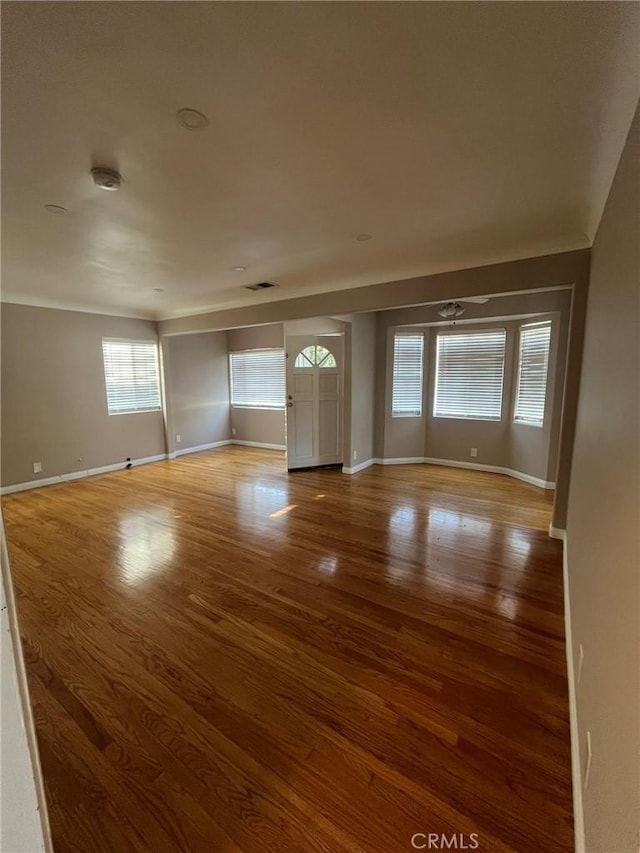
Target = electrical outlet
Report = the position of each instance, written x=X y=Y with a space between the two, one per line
x=233 y=430
x=587 y=766
x=355 y=455
x=37 y=467
x=474 y=453
x=580 y=663
x=178 y=439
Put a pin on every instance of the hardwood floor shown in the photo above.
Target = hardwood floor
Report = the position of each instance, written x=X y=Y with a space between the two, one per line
x=223 y=657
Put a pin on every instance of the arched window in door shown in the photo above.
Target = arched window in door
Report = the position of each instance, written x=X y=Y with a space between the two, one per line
x=315 y=356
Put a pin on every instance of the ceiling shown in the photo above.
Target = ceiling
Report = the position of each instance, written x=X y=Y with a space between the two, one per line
x=456 y=134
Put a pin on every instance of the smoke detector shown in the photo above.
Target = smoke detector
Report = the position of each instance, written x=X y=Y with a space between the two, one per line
x=106 y=179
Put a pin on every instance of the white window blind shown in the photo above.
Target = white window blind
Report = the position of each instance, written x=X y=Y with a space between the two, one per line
x=469 y=375
x=533 y=366
x=257 y=379
x=131 y=376
x=407 y=375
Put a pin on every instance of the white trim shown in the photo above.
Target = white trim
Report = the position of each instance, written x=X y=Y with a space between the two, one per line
x=576 y=773
x=405 y=460
x=78 y=475
x=557 y=532
x=13 y=629
x=493 y=469
x=258 y=444
x=360 y=467
x=198 y=448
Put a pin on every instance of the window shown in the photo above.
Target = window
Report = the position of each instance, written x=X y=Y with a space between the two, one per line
x=469 y=375
x=131 y=376
x=257 y=379
x=407 y=375
x=315 y=356
x=533 y=366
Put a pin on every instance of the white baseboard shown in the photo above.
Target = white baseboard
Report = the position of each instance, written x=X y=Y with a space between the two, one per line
x=259 y=444
x=78 y=475
x=492 y=469
x=403 y=460
x=184 y=450
x=557 y=532
x=576 y=767
x=452 y=463
x=360 y=467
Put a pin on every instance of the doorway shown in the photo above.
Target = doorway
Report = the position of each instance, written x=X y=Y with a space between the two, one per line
x=314 y=380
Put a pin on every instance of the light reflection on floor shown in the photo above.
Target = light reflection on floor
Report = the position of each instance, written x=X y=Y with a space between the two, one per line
x=147 y=544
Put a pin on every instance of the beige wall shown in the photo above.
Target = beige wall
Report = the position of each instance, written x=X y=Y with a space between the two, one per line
x=54 y=406
x=262 y=426
x=197 y=389
x=359 y=388
x=603 y=535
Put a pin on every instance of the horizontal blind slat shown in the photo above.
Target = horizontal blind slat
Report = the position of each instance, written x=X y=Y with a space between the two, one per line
x=258 y=379
x=469 y=375
x=533 y=368
x=408 y=351
x=131 y=375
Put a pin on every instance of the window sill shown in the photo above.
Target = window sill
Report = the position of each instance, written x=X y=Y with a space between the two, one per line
x=528 y=424
x=406 y=414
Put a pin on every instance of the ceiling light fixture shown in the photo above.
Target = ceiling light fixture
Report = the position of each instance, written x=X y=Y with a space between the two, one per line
x=106 y=178
x=451 y=310
x=56 y=208
x=238 y=269
x=362 y=238
x=192 y=119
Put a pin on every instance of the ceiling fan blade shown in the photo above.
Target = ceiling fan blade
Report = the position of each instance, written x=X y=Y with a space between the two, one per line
x=479 y=300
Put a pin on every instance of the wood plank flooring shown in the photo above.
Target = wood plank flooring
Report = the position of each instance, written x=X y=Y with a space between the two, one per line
x=224 y=657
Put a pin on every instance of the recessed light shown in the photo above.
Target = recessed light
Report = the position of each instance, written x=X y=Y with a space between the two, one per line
x=362 y=238
x=192 y=119
x=56 y=208
x=158 y=289
x=238 y=269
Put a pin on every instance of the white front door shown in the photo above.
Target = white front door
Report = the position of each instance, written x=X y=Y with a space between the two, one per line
x=314 y=400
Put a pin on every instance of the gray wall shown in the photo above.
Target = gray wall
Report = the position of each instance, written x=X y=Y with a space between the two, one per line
x=197 y=389
x=263 y=426
x=360 y=388
x=54 y=406
x=603 y=532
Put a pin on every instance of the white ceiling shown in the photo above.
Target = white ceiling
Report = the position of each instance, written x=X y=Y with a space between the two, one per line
x=456 y=134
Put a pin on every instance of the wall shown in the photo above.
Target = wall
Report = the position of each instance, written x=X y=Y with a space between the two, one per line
x=603 y=532
x=360 y=389
x=24 y=826
x=260 y=426
x=197 y=389
x=54 y=407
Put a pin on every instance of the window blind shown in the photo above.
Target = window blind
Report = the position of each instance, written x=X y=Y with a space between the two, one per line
x=533 y=366
x=257 y=379
x=469 y=375
x=131 y=376
x=407 y=375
